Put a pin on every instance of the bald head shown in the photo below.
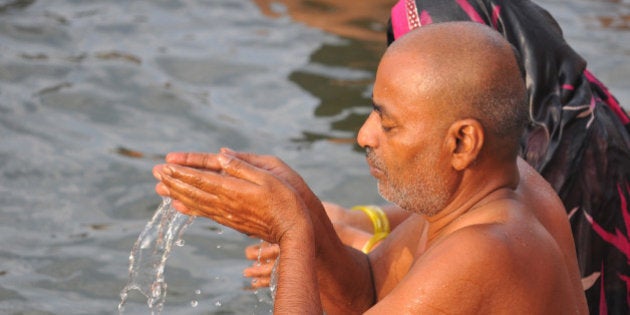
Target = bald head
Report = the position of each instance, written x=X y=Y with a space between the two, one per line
x=463 y=70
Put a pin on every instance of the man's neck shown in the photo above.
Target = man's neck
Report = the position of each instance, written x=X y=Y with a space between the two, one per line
x=477 y=187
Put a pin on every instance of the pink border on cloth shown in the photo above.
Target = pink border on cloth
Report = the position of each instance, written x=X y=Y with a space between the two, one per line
x=400 y=25
x=405 y=17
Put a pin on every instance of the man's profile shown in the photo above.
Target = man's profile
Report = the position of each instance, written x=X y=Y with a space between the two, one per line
x=487 y=234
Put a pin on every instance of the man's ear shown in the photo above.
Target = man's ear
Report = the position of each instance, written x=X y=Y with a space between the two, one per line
x=465 y=140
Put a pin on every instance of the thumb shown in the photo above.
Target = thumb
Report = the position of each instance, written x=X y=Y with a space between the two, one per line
x=263 y=162
x=239 y=168
x=251 y=158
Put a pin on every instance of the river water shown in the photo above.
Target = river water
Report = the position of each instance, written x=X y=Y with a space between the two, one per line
x=93 y=93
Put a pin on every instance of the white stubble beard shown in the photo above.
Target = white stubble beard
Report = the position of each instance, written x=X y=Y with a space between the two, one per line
x=426 y=194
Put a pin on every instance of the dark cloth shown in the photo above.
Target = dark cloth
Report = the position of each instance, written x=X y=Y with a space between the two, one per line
x=578 y=139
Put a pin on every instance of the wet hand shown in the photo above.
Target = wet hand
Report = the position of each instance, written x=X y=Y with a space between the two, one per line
x=272 y=164
x=234 y=193
x=282 y=171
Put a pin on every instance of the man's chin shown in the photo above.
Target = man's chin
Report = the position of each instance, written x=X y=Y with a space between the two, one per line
x=389 y=197
x=385 y=194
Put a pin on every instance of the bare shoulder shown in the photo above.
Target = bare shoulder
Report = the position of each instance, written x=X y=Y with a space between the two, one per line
x=486 y=268
x=458 y=274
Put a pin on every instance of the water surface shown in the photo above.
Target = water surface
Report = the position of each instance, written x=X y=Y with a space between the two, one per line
x=94 y=93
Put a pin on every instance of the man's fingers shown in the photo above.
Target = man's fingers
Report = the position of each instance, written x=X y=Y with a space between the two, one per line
x=260 y=282
x=199 y=203
x=184 y=192
x=260 y=161
x=251 y=251
x=208 y=181
x=161 y=189
x=260 y=274
x=238 y=168
x=250 y=158
x=183 y=209
x=259 y=270
x=189 y=198
x=269 y=251
x=193 y=159
x=157 y=171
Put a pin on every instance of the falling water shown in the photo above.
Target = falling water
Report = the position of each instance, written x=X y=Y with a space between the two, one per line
x=149 y=254
x=273 y=284
x=260 y=293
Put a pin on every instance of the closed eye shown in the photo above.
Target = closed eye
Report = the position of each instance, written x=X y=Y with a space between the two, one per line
x=386 y=126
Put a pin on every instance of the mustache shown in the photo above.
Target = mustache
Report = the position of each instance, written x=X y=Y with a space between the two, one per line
x=372 y=159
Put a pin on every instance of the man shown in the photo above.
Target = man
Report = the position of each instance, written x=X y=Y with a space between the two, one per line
x=487 y=234
x=578 y=140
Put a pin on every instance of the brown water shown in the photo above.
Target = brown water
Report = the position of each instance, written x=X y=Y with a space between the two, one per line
x=93 y=93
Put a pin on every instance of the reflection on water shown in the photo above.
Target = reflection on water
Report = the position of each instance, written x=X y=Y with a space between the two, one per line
x=339 y=74
x=16 y=4
x=360 y=20
x=343 y=96
x=615 y=20
x=94 y=93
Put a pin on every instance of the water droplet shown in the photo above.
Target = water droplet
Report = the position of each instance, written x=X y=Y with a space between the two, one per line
x=219 y=231
x=218 y=246
x=123 y=301
x=260 y=248
x=194 y=303
x=217 y=303
x=157 y=289
x=197 y=291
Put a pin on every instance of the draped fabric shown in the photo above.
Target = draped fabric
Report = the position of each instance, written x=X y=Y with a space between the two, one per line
x=578 y=138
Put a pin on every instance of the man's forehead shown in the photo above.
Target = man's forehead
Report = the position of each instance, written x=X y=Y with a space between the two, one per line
x=390 y=108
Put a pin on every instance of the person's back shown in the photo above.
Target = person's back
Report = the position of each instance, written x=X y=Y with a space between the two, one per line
x=520 y=242
x=549 y=210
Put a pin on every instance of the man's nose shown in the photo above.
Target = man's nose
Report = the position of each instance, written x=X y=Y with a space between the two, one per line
x=366 y=136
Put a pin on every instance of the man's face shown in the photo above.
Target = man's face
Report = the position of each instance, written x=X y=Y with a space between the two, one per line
x=403 y=137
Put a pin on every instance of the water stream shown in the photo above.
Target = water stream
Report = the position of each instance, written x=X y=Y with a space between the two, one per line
x=149 y=254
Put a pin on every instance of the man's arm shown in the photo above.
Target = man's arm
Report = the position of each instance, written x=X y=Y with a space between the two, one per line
x=343 y=273
x=245 y=192
x=360 y=221
x=297 y=289
x=457 y=275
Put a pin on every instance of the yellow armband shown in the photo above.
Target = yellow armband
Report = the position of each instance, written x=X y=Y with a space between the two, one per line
x=379 y=222
x=377 y=216
x=372 y=241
